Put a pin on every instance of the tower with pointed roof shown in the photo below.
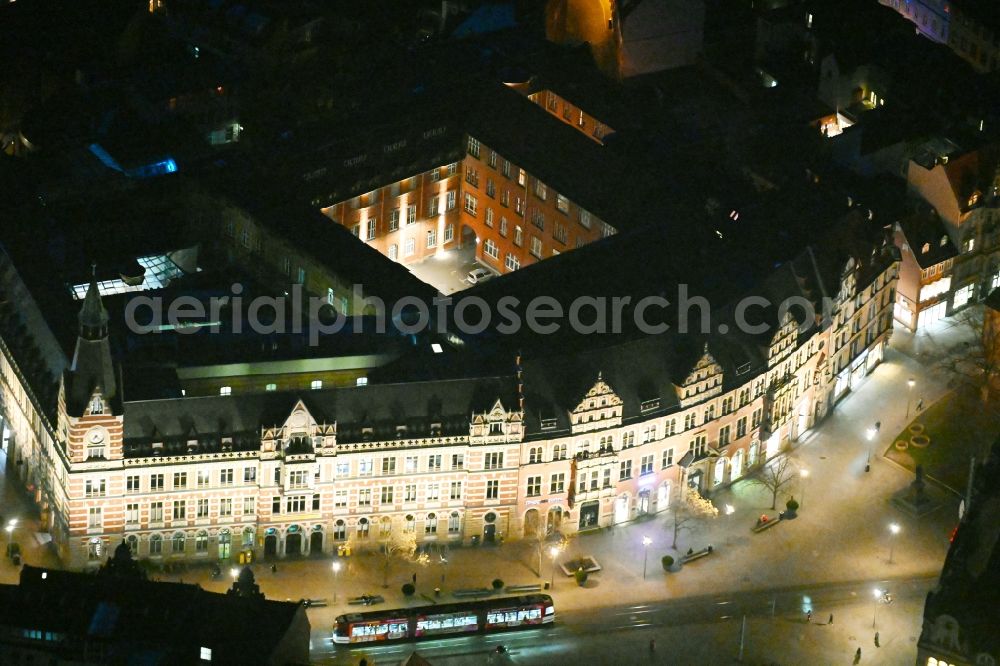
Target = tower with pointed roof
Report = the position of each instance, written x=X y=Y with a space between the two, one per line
x=90 y=411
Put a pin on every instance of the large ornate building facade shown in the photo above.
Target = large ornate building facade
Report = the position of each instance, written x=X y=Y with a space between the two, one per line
x=588 y=441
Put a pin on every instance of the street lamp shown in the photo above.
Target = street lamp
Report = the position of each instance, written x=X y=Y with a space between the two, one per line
x=870 y=433
x=235 y=573
x=645 y=554
x=804 y=473
x=9 y=529
x=553 y=553
x=909 y=395
x=336 y=578
x=893 y=530
x=878 y=595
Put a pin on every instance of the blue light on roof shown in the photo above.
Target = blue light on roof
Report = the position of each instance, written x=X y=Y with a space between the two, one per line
x=170 y=165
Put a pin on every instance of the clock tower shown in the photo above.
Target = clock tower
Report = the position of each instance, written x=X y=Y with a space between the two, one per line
x=90 y=411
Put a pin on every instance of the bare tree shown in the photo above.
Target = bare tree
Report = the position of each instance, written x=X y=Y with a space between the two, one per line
x=687 y=508
x=975 y=363
x=775 y=475
x=396 y=544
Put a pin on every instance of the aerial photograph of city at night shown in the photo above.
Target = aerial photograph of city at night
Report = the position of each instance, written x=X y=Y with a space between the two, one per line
x=499 y=332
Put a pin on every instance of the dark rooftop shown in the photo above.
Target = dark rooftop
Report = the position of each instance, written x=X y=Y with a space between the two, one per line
x=928 y=240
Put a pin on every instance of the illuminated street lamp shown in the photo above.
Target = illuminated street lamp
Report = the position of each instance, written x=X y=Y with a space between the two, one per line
x=336 y=579
x=870 y=433
x=878 y=595
x=553 y=553
x=235 y=573
x=645 y=554
x=893 y=531
x=909 y=395
x=804 y=473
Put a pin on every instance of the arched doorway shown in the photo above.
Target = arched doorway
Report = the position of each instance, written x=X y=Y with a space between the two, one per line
x=719 y=475
x=531 y=523
x=293 y=541
x=621 y=509
x=736 y=469
x=643 y=502
x=225 y=544
x=663 y=496
x=270 y=543
x=489 y=527
x=316 y=541
x=554 y=520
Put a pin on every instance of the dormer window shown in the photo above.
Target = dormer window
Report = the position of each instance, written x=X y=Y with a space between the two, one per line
x=648 y=405
x=548 y=424
x=944 y=241
x=496 y=428
x=97 y=405
x=926 y=248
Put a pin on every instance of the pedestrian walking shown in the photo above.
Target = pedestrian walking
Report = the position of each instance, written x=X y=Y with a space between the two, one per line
x=652 y=645
x=857 y=656
x=831 y=619
x=876 y=640
x=920 y=404
x=809 y=616
x=414 y=579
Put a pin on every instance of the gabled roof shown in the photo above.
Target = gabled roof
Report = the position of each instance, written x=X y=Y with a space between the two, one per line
x=381 y=407
x=925 y=229
x=972 y=172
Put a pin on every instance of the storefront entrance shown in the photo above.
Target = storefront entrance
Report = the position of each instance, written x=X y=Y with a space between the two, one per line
x=621 y=509
x=316 y=543
x=293 y=544
x=589 y=513
x=644 y=502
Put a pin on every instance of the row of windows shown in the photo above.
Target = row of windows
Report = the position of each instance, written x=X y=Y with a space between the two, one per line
x=432 y=492
x=180 y=510
x=200 y=479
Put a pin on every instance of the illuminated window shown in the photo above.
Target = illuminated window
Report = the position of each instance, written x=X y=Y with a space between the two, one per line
x=226 y=390
x=491 y=249
x=511 y=262
x=394 y=252
x=473 y=147
x=449 y=233
x=470 y=204
x=536 y=247
x=432 y=238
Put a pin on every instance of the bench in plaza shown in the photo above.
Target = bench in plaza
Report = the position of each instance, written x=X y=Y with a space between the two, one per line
x=761 y=526
x=517 y=589
x=697 y=555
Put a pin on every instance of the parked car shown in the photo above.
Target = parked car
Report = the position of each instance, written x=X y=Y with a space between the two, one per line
x=478 y=275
